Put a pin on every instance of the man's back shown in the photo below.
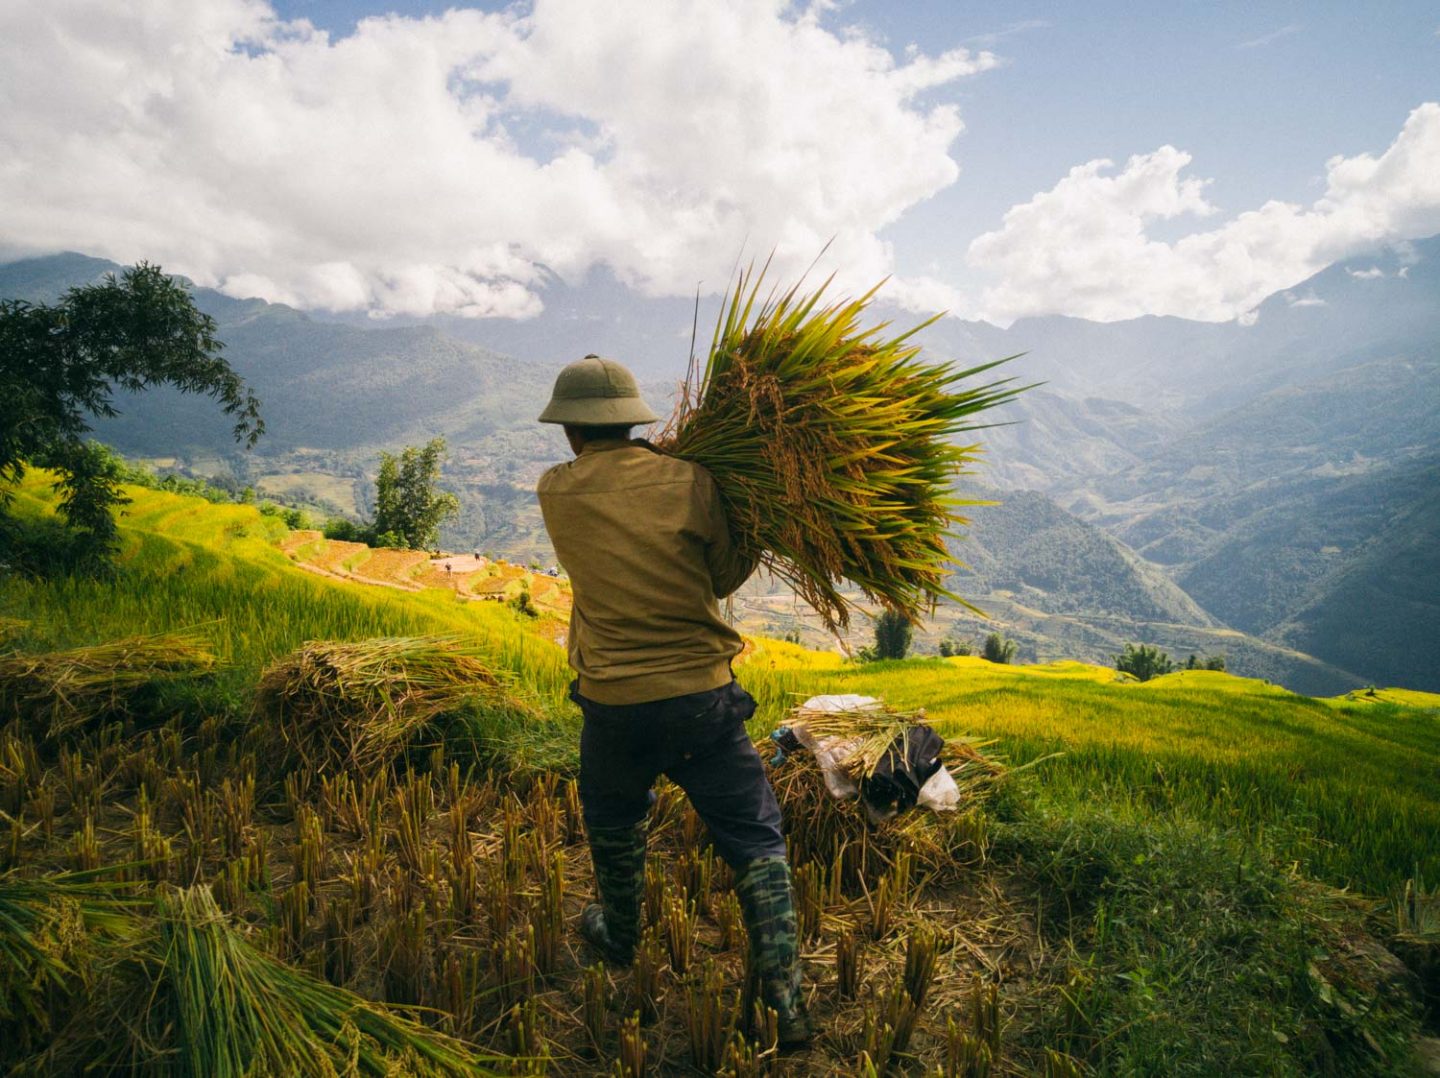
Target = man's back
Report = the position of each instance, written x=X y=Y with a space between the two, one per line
x=644 y=540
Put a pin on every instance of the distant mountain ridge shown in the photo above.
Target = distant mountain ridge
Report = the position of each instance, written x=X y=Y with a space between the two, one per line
x=1250 y=475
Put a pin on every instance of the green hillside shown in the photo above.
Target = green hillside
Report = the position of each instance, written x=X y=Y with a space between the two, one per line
x=1061 y=588
x=1380 y=608
x=1050 y=559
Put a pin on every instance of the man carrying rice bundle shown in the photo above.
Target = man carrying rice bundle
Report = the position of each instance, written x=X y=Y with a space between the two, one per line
x=647 y=546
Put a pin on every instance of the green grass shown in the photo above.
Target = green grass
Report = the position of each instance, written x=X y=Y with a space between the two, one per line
x=1346 y=790
x=1187 y=953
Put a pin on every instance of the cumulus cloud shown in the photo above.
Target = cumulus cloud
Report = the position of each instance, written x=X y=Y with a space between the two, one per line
x=1081 y=248
x=435 y=164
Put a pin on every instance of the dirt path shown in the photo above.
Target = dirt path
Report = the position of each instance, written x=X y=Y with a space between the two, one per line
x=460 y=563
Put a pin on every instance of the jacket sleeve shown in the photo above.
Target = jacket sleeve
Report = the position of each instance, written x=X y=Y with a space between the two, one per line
x=728 y=567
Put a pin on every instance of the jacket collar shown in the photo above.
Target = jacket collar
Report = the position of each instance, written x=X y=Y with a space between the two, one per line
x=604 y=445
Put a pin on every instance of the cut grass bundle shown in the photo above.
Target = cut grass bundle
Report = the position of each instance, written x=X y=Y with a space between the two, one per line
x=872 y=728
x=68 y=689
x=838 y=834
x=359 y=705
x=833 y=446
x=195 y=999
x=44 y=925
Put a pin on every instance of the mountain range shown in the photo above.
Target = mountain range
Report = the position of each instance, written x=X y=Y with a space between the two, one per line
x=1266 y=487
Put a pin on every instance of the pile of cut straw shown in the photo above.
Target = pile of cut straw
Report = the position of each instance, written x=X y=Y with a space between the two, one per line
x=360 y=705
x=833 y=447
x=838 y=832
x=44 y=927
x=191 y=997
x=67 y=689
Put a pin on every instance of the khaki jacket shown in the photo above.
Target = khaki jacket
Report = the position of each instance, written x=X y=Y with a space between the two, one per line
x=644 y=539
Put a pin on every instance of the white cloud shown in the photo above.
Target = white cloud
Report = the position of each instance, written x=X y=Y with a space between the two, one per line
x=1307 y=300
x=1369 y=274
x=427 y=164
x=1081 y=248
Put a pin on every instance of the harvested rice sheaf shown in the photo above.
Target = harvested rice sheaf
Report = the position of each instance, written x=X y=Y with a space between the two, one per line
x=359 y=705
x=64 y=690
x=870 y=728
x=46 y=929
x=192 y=997
x=834 y=447
x=838 y=835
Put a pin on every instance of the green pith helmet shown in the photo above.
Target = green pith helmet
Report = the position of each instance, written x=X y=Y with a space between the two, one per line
x=595 y=392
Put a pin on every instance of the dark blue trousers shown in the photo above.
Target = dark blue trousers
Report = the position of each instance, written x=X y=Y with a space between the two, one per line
x=699 y=742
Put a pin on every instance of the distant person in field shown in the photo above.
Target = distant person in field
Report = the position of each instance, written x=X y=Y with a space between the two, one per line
x=644 y=540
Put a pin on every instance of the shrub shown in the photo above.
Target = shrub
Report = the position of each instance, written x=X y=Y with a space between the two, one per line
x=893 y=633
x=999 y=649
x=950 y=647
x=522 y=603
x=344 y=530
x=1206 y=662
x=1144 y=662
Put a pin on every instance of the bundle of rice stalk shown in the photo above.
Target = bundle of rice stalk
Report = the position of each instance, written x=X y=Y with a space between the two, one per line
x=869 y=729
x=67 y=689
x=198 y=1000
x=359 y=705
x=839 y=834
x=833 y=446
x=45 y=924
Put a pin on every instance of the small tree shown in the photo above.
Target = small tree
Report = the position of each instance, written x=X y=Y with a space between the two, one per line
x=893 y=633
x=523 y=604
x=999 y=649
x=345 y=530
x=1144 y=662
x=407 y=503
x=60 y=366
x=1208 y=662
x=950 y=647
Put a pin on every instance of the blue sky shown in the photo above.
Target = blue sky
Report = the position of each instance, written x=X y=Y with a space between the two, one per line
x=1260 y=96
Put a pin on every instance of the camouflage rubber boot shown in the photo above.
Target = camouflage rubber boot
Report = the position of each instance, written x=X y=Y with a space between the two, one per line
x=768 y=904
x=613 y=924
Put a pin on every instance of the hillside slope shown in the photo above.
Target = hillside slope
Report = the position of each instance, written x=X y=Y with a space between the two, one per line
x=1052 y=560
x=1379 y=610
